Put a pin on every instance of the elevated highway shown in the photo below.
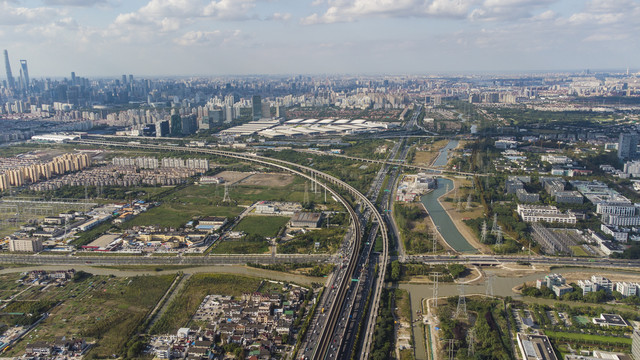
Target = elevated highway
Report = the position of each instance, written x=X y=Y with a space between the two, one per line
x=313 y=175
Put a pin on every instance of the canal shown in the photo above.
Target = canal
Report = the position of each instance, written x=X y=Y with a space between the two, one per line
x=443 y=157
x=441 y=219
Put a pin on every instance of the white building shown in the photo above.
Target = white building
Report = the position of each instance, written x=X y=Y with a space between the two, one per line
x=537 y=213
x=627 y=288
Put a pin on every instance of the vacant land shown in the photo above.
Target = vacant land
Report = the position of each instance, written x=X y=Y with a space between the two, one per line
x=185 y=304
x=232 y=177
x=104 y=309
x=265 y=226
x=268 y=179
x=425 y=154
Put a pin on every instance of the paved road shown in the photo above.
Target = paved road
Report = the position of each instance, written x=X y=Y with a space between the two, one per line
x=40 y=259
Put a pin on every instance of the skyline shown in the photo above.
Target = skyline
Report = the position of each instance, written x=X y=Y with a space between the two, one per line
x=248 y=37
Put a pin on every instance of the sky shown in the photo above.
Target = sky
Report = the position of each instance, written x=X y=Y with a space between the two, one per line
x=238 y=37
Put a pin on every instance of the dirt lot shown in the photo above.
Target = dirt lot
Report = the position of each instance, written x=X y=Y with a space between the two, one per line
x=268 y=179
x=232 y=177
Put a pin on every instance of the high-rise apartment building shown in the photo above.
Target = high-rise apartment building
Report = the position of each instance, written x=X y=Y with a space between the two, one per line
x=628 y=146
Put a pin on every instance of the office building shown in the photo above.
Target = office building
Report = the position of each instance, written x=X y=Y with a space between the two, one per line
x=25 y=74
x=25 y=245
x=535 y=347
x=628 y=146
x=162 y=128
x=189 y=124
x=266 y=110
x=568 y=197
x=10 y=82
x=256 y=107
x=526 y=197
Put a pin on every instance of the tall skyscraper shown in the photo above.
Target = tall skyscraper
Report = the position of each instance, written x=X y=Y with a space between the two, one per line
x=73 y=77
x=628 y=146
x=7 y=66
x=25 y=74
x=256 y=107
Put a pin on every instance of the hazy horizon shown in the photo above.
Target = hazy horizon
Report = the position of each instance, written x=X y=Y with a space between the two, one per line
x=160 y=38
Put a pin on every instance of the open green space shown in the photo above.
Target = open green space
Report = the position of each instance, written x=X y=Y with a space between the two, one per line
x=176 y=214
x=583 y=320
x=206 y=200
x=266 y=226
x=250 y=244
x=185 y=304
x=589 y=338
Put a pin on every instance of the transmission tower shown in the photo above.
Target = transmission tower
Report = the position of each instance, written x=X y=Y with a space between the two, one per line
x=494 y=227
x=468 y=202
x=226 y=197
x=435 y=289
x=484 y=232
x=461 y=310
x=450 y=349
x=434 y=241
x=471 y=341
x=499 y=236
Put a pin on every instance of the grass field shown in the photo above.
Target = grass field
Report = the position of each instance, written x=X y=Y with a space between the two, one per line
x=176 y=214
x=583 y=320
x=185 y=304
x=266 y=226
x=240 y=247
x=588 y=338
x=578 y=251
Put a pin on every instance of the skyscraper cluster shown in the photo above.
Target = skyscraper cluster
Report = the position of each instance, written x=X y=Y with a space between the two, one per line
x=23 y=83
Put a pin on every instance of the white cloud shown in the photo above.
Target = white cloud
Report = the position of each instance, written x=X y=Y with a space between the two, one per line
x=15 y=15
x=79 y=3
x=507 y=10
x=351 y=10
x=280 y=16
x=199 y=37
